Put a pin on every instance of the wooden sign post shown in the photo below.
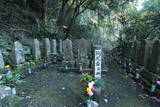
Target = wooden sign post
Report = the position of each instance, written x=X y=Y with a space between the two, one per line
x=98 y=62
x=97 y=69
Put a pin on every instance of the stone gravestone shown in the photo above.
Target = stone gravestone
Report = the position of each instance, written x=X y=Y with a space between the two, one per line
x=36 y=52
x=82 y=48
x=1 y=60
x=68 y=49
x=18 y=54
x=5 y=91
x=158 y=57
x=138 y=49
x=47 y=48
x=60 y=46
x=140 y=54
x=154 y=58
x=133 y=51
x=75 y=49
x=83 y=51
x=147 y=52
x=53 y=46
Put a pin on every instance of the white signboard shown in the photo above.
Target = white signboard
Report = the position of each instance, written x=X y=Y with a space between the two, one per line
x=98 y=61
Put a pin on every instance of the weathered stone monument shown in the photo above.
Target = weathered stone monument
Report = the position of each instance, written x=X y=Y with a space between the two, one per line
x=154 y=57
x=47 y=48
x=147 y=51
x=83 y=51
x=53 y=46
x=138 y=49
x=158 y=64
x=60 y=46
x=140 y=57
x=83 y=48
x=5 y=91
x=18 y=54
x=133 y=51
x=36 y=52
x=1 y=60
x=68 y=49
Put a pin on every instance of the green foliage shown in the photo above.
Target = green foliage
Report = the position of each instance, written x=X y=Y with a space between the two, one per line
x=86 y=77
x=60 y=57
x=136 y=22
x=32 y=63
x=11 y=79
x=100 y=83
x=82 y=61
x=2 y=70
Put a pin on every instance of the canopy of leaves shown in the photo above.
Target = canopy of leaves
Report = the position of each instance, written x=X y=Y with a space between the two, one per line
x=142 y=24
x=39 y=18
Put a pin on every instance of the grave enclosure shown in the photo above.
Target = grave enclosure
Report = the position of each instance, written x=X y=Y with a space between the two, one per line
x=43 y=52
x=144 y=57
x=49 y=47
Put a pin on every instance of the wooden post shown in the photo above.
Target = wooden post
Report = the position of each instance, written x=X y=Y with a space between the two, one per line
x=97 y=69
x=97 y=62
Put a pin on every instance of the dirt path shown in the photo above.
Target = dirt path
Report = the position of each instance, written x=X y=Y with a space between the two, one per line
x=50 y=88
x=121 y=91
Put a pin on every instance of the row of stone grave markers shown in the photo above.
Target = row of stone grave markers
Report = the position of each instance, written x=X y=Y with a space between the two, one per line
x=149 y=54
x=18 y=59
x=145 y=64
x=77 y=52
x=82 y=51
x=18 y=55
x=146 y=53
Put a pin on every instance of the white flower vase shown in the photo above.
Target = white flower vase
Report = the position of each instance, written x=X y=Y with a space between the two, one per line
x=88 y=103
x=137 y=75
x=91 y=103
x=81 y=68
x=29 y=71
x=45 y=65
x=66 y=67
x=130 y=69
x=13 y=91
x=153 y=88
x=124 y=64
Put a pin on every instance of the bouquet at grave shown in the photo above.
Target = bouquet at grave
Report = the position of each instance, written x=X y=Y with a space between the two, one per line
x=11 y=79
x=80 y=64
x=90 y=90
x=86 y=77
x=32 y=63
x=154 y=84
x=7 y=66
x=154 y=80
x=158 y=82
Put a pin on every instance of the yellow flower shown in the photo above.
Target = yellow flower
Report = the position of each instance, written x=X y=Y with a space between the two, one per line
x=7 y=66
x=89 y=90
